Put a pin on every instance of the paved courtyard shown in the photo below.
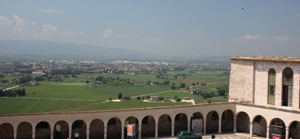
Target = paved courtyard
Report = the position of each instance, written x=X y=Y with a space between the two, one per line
x=220 y=136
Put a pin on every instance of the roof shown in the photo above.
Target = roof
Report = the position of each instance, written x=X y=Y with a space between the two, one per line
x=267 y=58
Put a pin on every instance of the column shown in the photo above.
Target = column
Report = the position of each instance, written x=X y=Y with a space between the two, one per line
x=33 y=134
x=70 y=130
x=234 y=124
x=140 y=130
x=189 y=125
x=51 y=134
x=173 y=123
x=204 y=128
x=122 y=133
x=286 y=133
x=156 y=130
x=87 y=133
x=251 y=129
x=105 y=132
x=15 y=134
x=268 y=131
x=220 y=126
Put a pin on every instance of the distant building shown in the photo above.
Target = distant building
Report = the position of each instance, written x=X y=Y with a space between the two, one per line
x=154 y=98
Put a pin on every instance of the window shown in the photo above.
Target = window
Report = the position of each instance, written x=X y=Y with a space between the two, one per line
x=271 y=86
x=287 y=87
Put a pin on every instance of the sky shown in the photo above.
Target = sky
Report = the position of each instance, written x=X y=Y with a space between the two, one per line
x=165 y=27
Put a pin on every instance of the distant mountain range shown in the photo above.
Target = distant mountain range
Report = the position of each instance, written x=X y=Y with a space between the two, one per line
x=46 y=48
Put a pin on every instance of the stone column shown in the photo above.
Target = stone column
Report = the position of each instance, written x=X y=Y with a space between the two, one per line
x=268 y=131
x=140 y=130
x=204 y=128
x=251 y=129
x=122 y=133
x=286 y=133
x=105 y=132
x=173 y=123
x=15 y=134
x=220 y=126
x=51 y=134
x=33 y=134
x=189 y=125
x=156 y=130
x=234 y=124
x=70 y=132
x=87 y=133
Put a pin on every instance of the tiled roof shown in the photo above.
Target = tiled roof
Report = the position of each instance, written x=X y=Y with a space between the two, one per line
x=267 y=58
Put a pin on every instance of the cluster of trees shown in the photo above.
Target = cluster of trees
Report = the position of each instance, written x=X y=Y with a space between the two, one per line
x=2 y=76
x=65 y=72
x=12 y=93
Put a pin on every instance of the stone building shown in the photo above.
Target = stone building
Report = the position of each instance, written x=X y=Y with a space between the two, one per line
x=264 y=91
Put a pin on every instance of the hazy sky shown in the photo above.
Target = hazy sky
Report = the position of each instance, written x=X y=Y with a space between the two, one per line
x=167 y=27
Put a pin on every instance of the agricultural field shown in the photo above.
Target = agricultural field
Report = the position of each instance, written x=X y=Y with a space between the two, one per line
x=75 y=94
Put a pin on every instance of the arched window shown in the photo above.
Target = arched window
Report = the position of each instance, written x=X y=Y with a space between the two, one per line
x=287 y=87
x=271 y=88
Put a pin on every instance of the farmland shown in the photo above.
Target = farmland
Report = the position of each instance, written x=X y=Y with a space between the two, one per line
x=76 y=94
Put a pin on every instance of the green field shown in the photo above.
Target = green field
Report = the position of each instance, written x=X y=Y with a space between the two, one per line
x=73 y=94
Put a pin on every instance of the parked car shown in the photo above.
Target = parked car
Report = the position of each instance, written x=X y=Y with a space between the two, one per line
x=188 y=135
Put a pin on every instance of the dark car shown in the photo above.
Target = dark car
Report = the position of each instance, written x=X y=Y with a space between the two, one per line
x=188 y=135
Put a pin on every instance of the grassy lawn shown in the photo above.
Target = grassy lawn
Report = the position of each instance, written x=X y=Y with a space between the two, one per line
x=26 y=105
x=129 y=91
x=125 y=104
x=65 y=91
x=171 y=94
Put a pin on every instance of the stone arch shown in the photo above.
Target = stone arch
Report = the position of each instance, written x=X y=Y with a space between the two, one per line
x=212 y=122
x=148 y=126
x=242 y=122
x=131 y=120
x=278 y=122
x=42 y=130
x=97 y=129
x=259 y=126
x=24 y=130
x=287 y=87
x=6 y=131
x=61 y=130
x=164 y=125
x=227 y=121
x=196 y=115
x=294 y=129
x=180 y=122
x=80 y=127
x=114 y=127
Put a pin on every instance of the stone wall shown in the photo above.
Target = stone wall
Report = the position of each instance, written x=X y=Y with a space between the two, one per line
x=241 y=81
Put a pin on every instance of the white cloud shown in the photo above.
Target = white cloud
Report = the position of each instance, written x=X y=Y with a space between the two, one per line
x=4 y=20
x=47 y=30
x=198 y=37
x=33 y=23
x=280 y=38
x=21 y=24
x=67 y=33
x=158 y=39
x=50 y=11
x=81 y=33
x=254 y=37
x=108 y=33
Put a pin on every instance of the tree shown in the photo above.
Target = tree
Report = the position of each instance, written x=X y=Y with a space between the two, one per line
x=110 y=99
x=138 y=98
x=178 y=99
x=166 y=82
x=120 y=96
x=99 y=78
x=197 y=83
x=148 y=82
x=87 y=81
x=173 y=83
x=1 y=76
x=193 y=84
x=23 y=92
x=221 y=92
x=173 y=87
x=148 y=97
x=161 y=98
x=182 y=85
x=175 y=97
x=175 y=77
